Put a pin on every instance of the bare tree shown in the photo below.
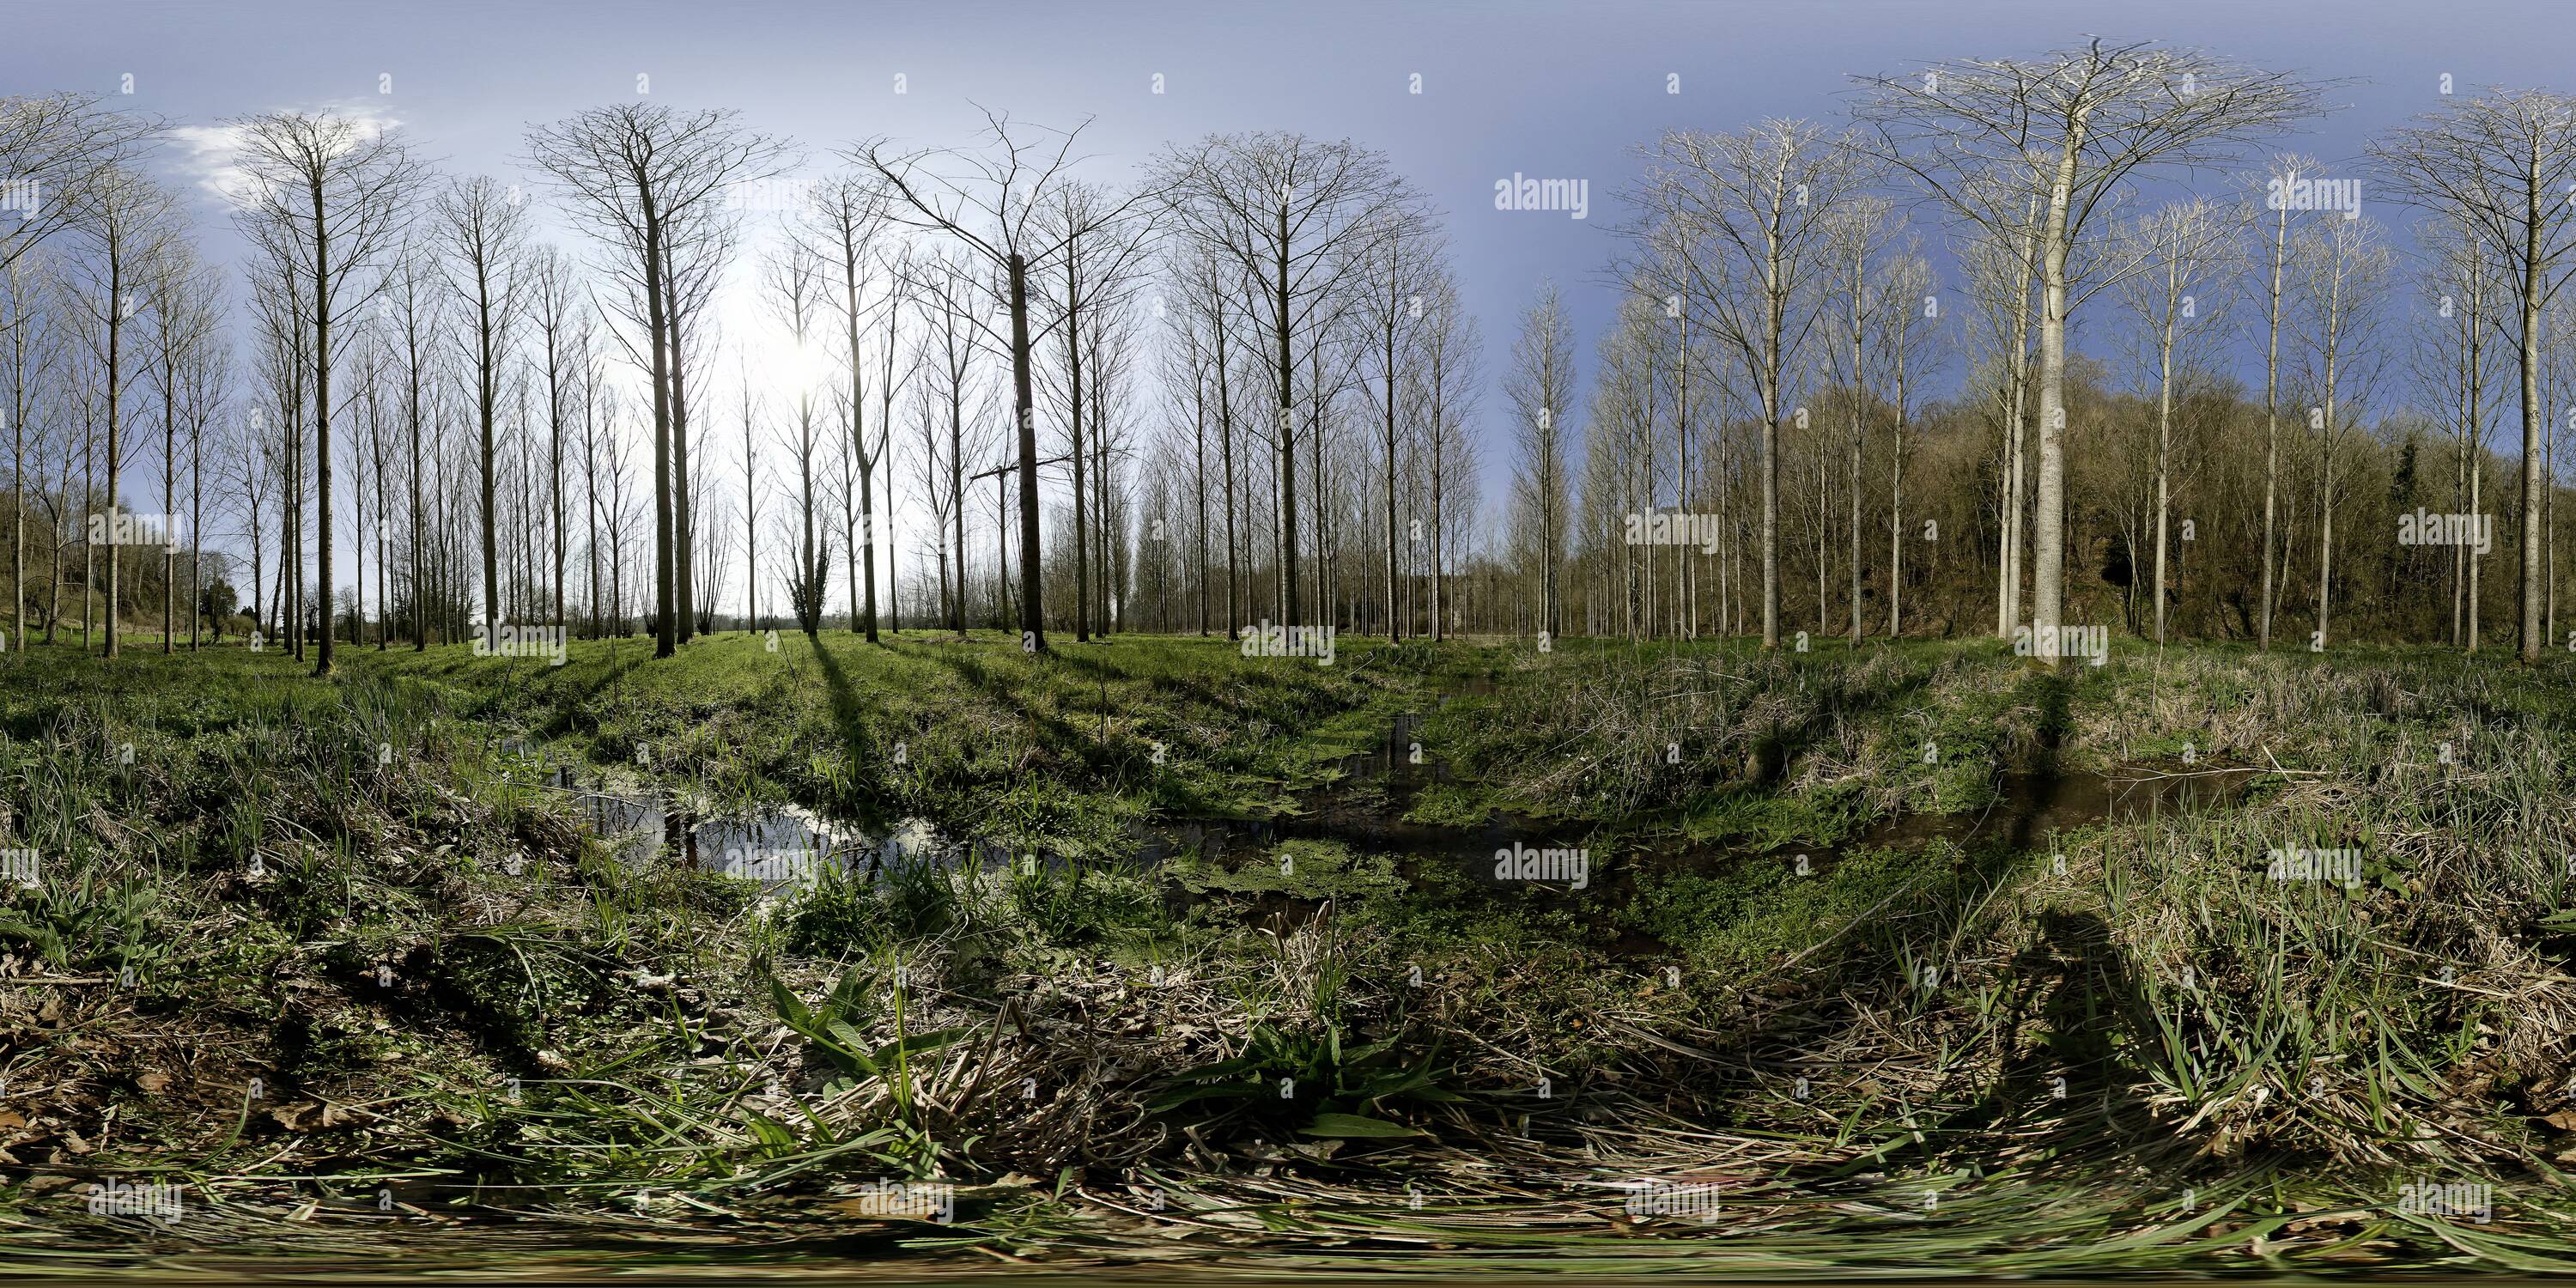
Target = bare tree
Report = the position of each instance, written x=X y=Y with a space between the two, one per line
x=701 y=247
x=1208 y=284
x=561 y=319
x=1859 y=237
x=1448 y=380
x=2187 y=254
x=598 y=448
x=31 y=343
x=636 y=174
x=1102 y=252
x=998 y=206
x=369 y=360
x=750 y=496
x=1401 y=263
x=840 y=224
x=796 y=286
x=1751 y=211
x=276 y=430
x=124 y=234
x=2339 y=279
x=337 y=194
x=2000 y=262
x=2455 y=362
x=414 y=310
x=895 y=265
x=2503 y=164
x=2085 y=119
x=1185 y=383
x=185 y=302
x=254 y=481
x=1909 y=336
x=946 y=358
x=486 y=232
x=1289 y=211
x=1540 y=386
x=2286 y=170
x=54 y=149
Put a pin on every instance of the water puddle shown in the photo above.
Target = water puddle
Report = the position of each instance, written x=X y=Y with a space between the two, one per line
x=782 y=847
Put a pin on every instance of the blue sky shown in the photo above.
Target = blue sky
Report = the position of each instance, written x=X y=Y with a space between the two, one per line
x=1542 y=89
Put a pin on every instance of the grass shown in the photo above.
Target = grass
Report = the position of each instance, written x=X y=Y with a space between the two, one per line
x=1066 y=750
x=320 y=947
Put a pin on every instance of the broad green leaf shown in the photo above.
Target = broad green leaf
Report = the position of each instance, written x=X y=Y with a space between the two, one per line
x=1353 y=1125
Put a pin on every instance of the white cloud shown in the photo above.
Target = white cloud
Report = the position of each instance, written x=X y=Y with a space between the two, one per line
x=210 y=155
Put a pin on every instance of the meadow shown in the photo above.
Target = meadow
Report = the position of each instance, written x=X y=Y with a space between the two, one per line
x=1443 y=957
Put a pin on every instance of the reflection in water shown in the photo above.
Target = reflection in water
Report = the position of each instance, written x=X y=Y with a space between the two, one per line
x=782 y=848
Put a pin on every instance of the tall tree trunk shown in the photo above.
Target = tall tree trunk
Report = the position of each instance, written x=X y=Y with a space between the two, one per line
x=1280 y=300
x=1225 y=444
x=1896 y=504
x=2272 y=430
x=2532 y=260
x=683 y=540
x=865 y=556
x=666 y=639
x=1198 y=431
x=1024 y=410
x=2048 y=527
x=2164 y=463
x=115 y=335
x=1394 y=630
x=485 y=393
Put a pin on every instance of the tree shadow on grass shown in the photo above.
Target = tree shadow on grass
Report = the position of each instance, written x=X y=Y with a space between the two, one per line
x=2066 y=998
x=1191 y=688
x=849 y=717
x=1051 y=734
x=851 y=726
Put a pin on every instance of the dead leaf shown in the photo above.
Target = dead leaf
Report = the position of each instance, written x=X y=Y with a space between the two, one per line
x=308 y=1116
